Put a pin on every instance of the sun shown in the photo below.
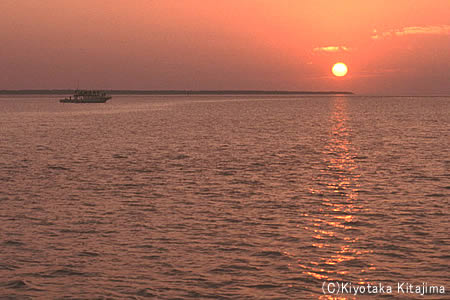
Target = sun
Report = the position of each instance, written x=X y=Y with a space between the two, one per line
x=340 y=69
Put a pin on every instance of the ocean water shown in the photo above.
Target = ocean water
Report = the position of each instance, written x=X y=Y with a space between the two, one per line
x=236 y=197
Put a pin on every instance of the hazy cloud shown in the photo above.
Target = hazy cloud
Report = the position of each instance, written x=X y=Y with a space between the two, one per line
x=413 y=30
x=331 y=49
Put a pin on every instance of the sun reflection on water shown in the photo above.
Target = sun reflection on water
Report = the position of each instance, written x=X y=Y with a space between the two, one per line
x=333 y=227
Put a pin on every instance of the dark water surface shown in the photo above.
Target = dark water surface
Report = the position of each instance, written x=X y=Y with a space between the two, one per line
x=233 y=197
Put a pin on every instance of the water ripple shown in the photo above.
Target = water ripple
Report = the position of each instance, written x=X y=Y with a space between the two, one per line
x=213 y=197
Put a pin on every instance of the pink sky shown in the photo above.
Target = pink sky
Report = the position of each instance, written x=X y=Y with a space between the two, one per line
x=391 y=47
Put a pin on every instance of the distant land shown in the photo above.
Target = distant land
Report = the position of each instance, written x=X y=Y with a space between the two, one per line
x=177 y=92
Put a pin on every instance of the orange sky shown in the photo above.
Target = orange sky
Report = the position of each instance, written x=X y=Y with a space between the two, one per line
x=391 y=47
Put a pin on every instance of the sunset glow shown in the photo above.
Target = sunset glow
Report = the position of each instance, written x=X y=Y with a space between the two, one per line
x=197 y=44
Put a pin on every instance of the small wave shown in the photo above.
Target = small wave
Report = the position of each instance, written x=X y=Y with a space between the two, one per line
x=146 y=293
x=78 y=231
x=66 y=272
x=142 y=170
x=13 y=243
x=263 y=286
x=360 y=157
x=126 y=185
x=246 y=182
x=88 y=253
x=145 y=246
x=226 y=173
x=152 y=209
x=52 y=167
x=227 y=269
x=230 y=249
x=436 y=195
x=43 y=148
x=360 y=224
x=358 y=263
x=395 y=255
x=151 y=257
x=19 y=285
x=290 y=239
x=269 y=254
x=445 y=256
x=7 y=267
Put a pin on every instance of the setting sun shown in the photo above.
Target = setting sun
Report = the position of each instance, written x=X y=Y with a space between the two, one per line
x=340 y=69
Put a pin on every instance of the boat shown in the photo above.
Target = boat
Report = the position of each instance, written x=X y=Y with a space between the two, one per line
x=87 y=96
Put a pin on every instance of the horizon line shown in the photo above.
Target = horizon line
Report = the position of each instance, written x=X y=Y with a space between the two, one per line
x=178 y=92
x=207 y=92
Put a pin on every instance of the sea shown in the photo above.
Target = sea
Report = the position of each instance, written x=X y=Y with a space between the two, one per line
x=225 y=197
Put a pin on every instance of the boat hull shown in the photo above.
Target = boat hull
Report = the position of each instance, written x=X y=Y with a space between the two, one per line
x=92 y=100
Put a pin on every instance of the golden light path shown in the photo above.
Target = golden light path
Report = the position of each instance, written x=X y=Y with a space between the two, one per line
x=340 y=69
